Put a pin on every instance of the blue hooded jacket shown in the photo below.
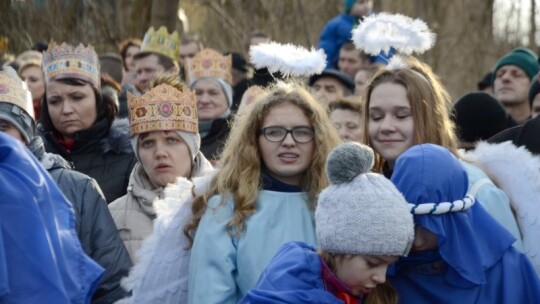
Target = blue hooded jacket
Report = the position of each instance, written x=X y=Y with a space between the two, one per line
x=41 y=259
x=475 y=261
x=294 y=276
x=338 y=31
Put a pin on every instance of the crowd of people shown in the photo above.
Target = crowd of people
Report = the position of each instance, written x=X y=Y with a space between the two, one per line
x=171 y=172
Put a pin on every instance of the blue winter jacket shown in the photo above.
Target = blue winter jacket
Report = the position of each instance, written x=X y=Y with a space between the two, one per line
x=336 y=32
x=475 y=261
x=293 y=276
x=41 y=259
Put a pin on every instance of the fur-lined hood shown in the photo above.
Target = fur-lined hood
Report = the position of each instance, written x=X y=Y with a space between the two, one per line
x=517 y=172
x=118 y=138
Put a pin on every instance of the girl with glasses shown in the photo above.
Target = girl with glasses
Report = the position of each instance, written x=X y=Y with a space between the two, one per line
x=263 y=196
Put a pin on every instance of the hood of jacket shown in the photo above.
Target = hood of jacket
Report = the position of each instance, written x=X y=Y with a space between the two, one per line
x=118 y=138
x=431 y=174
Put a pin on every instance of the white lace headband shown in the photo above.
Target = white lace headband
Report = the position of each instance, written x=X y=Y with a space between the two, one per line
x=444 y=207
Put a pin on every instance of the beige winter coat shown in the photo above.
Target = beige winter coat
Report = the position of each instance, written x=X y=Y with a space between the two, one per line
x=134 y=213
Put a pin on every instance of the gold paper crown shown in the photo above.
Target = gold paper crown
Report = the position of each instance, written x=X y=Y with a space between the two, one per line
x=163 y=108
x=13 y=90
x=210 y=63
x=161 y=42
x=65 y=61
x=29 y=58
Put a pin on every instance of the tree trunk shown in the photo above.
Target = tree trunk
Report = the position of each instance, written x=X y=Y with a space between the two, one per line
x=164 y=13
x=532 y=30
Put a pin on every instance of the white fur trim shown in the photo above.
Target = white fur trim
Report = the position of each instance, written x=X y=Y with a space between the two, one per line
x=163 y=251
x=288 y=59
x=517 y=172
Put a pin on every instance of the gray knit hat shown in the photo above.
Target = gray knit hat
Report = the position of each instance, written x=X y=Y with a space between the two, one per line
x=360 y=212
x=192 y=140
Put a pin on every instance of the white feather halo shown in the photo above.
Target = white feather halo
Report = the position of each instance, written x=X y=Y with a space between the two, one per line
x=397 y=62
x=383 y=31
x=289 y=59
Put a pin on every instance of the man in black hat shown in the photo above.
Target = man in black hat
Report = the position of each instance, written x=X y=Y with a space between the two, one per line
x=331 y=85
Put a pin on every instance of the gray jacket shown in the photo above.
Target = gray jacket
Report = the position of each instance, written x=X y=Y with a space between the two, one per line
x=95 y=227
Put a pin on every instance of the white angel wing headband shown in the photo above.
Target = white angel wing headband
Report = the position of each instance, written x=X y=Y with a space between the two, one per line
x=384 y=31
x=288 y=59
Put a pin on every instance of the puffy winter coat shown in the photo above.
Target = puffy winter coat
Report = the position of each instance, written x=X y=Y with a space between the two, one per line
x=94 y=225
x=134 y=213
x=102 y=153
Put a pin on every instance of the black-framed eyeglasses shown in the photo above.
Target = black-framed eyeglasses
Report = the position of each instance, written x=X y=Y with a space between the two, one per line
x=299 y=134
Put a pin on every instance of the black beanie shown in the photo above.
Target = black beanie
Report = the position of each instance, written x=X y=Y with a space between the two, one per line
x=485 y=81
x=534 y=90
x=479 y=116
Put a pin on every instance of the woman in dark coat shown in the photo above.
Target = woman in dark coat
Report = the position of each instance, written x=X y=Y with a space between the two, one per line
x=77 y=121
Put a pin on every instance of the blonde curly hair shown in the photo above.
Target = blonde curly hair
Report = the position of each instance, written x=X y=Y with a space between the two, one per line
x=240 y=176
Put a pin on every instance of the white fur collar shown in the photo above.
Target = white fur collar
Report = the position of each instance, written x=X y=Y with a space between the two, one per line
x=161 y=252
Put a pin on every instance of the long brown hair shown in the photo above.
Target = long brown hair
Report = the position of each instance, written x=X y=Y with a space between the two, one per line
x=430 y=105
x=240 y=176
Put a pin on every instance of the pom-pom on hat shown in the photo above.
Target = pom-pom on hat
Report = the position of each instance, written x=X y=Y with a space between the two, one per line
x=361 y=212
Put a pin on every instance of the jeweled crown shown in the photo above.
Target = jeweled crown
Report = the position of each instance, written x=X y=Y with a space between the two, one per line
x=161 y=42
x=13 y=90
x=209 y=63
x=163 y=108
x=65 y=61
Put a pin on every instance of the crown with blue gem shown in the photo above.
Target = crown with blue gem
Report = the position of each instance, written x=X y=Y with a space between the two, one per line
x=163 y=108
x=65 y=61
x=161 y=42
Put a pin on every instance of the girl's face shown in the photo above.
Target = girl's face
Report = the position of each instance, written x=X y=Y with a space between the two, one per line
x=33 y=77
x=211 y=101
x=361 y=273
x=130 y=52
x=164 y=156
x=424 y=240
x=71 y=108
x=288 y=159
x=390 y=121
